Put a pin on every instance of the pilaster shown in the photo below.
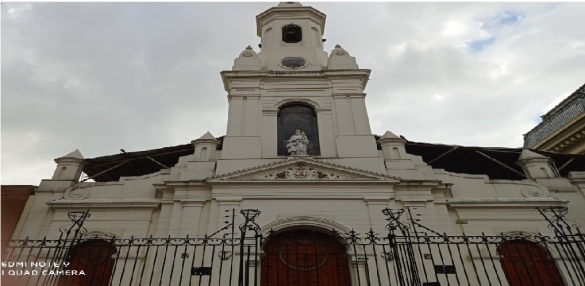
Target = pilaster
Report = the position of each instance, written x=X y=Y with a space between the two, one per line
x=191 y=217
x=226 y=205
x=361 y=120
x=166 y=212
x=269 y=131
x=375 y=207
x=235 y=116
x=326 y=133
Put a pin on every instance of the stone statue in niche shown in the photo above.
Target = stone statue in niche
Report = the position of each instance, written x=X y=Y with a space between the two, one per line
x=297 y=144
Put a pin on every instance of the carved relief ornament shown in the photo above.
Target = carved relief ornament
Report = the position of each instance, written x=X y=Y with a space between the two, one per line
x=302 y=172
x=76 y=193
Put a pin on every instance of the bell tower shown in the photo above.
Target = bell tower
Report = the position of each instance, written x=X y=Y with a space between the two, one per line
x=292 y=37
x=294 y=99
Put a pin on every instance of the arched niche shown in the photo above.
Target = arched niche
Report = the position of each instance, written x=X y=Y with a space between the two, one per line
x=297 y=115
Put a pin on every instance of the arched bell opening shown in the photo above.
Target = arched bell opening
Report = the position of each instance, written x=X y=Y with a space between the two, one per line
x=304 y=256
x=94 y=258
x=292 y=33
x=528 y=263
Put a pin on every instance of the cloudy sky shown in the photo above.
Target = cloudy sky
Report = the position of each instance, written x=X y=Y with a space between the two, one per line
x=104 y=76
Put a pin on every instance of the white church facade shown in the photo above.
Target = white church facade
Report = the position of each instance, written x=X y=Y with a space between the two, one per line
x=300 y=192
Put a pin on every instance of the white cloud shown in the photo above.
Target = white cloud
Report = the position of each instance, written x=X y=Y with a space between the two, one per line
x=15 y=9
x=454 y=28
x=105 y=76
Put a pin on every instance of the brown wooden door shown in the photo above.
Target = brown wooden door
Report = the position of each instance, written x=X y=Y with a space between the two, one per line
x=304 y=258
x=526 y=263
x=94 y=257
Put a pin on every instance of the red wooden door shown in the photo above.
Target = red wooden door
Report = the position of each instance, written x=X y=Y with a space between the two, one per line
x=94 y=257
x=304 y=258
x=526 y=263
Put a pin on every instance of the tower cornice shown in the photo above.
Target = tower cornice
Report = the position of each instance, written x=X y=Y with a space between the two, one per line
x=229 y=76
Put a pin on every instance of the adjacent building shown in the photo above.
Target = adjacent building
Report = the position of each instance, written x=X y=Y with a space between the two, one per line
x=562 y=128
x=14 y=202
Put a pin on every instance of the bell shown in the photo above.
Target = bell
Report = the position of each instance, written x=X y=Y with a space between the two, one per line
x=291 y=35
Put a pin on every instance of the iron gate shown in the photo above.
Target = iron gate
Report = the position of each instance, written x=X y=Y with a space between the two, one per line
x=407 y=254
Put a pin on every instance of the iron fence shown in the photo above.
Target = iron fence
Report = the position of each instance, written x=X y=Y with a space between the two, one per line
x=407 y=253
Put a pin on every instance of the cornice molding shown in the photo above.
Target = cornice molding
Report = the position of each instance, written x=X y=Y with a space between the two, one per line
x=506 y=202
x=71 y=160
x=227 y=76
x=105 y=203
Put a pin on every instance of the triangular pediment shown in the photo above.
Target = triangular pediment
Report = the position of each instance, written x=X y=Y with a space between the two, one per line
x=302 y=169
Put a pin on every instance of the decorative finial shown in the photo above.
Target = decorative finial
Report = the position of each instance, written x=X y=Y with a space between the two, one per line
x=339 y=51
x=248 y=52
x=340 y=59
x=290 y=4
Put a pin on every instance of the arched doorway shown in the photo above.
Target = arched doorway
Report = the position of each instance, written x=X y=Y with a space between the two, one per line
x=94 y=257
x=304 y=258
x=526 y=263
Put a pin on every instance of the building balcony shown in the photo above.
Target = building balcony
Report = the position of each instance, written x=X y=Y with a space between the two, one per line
x=563 y=128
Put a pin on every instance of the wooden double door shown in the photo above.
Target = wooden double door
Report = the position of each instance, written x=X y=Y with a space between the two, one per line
x=526 y=263
x=94 y=257
x=304 y=258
